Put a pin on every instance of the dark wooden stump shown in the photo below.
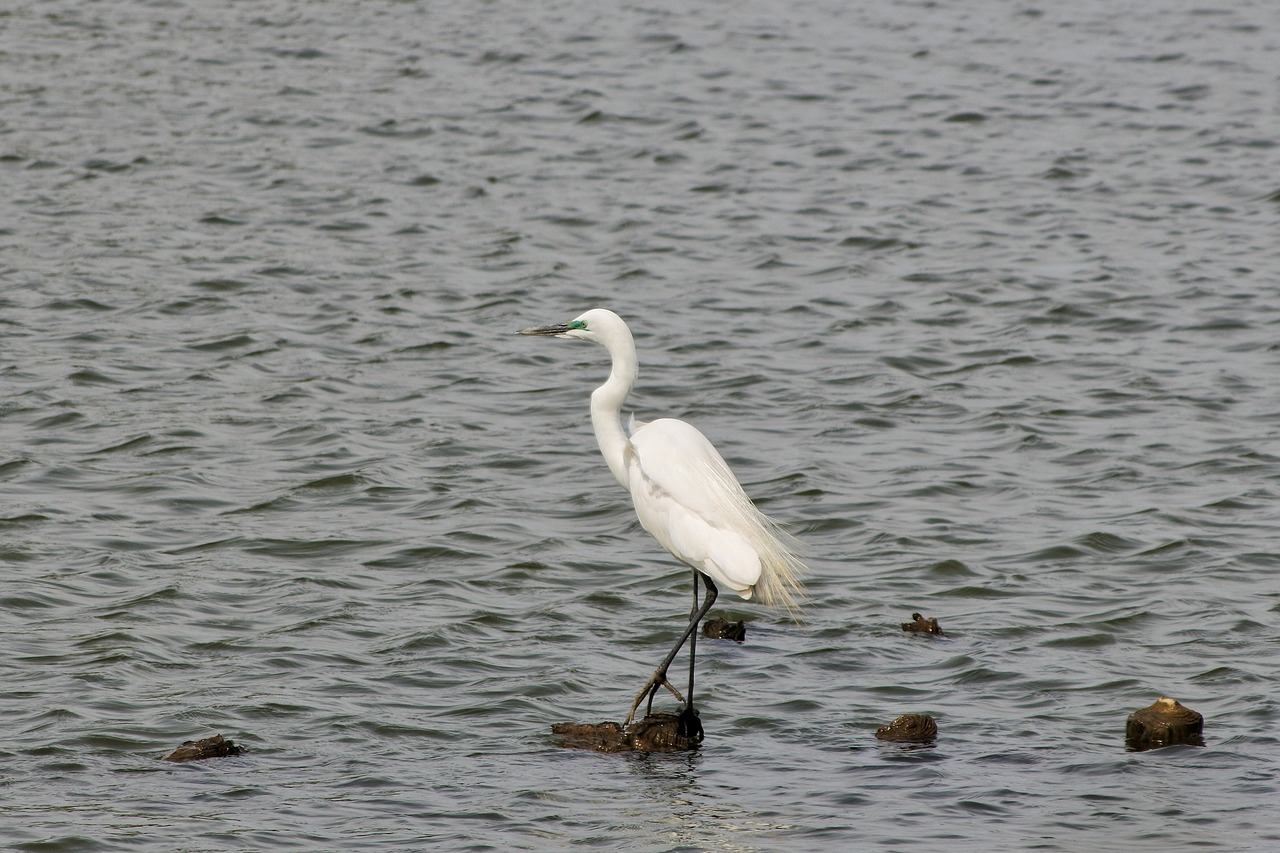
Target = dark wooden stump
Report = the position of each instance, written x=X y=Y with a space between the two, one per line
x=922 y=625
x=659 y=732
x=1163 y=723
x=909 y=728
x=720 y=629
x=210 y=747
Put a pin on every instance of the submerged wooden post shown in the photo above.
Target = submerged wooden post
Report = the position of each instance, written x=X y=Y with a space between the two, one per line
x=1163 y=723
x=661 y=732
x=210 y=747
x=909 y=728
x=921 y=625
x=722 y=629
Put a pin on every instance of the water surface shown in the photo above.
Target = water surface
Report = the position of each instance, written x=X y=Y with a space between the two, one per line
x=980 y=298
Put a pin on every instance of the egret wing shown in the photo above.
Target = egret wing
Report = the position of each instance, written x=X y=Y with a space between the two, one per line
x=686 y=496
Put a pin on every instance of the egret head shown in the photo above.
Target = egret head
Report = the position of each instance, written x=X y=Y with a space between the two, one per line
x=598 y=325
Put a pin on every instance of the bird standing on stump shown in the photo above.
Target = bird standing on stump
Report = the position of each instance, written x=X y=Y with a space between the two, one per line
x=686 y=496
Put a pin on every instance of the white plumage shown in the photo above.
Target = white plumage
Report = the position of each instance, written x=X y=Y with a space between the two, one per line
x=688 y=499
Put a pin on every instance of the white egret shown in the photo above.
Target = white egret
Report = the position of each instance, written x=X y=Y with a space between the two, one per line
x=686 y=496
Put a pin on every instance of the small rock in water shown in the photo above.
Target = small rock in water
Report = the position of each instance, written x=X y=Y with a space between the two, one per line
x=660 y=732
x=720 y=629
x=1163 y=723
x=210 y=747
x=922 y=625
x=909 y=728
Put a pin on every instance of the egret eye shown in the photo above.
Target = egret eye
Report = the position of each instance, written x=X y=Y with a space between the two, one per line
x=578 y=324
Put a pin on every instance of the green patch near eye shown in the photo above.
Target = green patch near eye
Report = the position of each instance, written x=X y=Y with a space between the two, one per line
x=578 y=324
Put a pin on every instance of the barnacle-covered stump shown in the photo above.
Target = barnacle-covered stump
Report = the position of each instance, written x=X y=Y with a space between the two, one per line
x=210 y=747
x=721 y=629
x=921 y=625
x=1163 y=723
x=659 y=732
x=909 y=728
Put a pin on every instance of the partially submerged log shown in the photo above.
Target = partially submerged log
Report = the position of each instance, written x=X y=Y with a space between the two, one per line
x=210 y=747
x=921 y=625
x=909 y=728
x=1163 y=723
x=721 y=629
x=661 y=732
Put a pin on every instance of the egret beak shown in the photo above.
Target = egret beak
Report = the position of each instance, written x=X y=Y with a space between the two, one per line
x=545 y=331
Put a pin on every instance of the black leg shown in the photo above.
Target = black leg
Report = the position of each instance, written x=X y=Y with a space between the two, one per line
x=696 y=618
x=693 y=638
x=659 y=677
x=689 y=725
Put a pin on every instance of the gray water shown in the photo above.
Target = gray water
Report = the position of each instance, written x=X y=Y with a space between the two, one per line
x=981 y=298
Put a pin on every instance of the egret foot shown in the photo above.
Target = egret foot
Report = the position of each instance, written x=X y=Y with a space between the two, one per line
x=688 y=725
x=650 y=689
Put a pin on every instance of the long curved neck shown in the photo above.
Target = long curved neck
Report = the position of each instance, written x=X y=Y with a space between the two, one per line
x=606 y=407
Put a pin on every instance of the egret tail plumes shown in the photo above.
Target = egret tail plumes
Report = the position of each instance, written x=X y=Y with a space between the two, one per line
x=781 y=568
x=778 y=579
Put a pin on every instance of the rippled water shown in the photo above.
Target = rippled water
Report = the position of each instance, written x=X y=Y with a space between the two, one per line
x=982 y=298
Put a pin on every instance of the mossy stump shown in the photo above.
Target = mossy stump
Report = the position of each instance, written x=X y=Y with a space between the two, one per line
x=198 y=750
x=921 y=625
x=661 y=732
x=909 y=728
x=1163 y=723
x=722 y=629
